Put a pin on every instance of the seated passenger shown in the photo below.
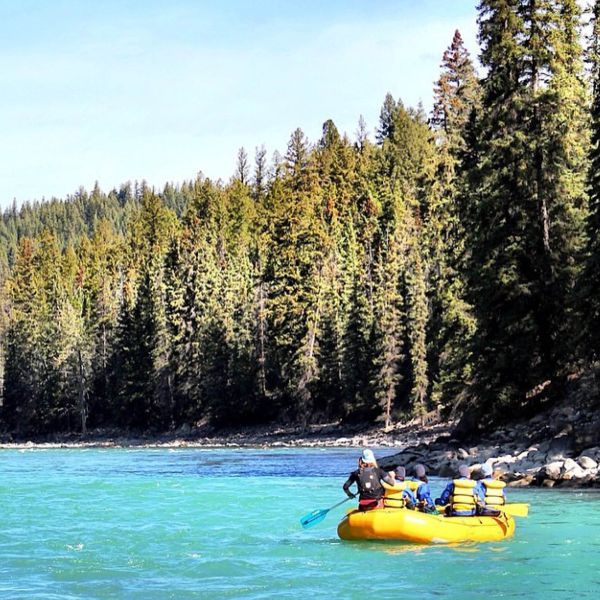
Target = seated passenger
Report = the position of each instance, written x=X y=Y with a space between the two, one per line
x=461 y=495
x=399 y=494
x=368 y=478
x=420 y=485
x=492 y=493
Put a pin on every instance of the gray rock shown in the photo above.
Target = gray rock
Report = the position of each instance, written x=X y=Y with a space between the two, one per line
x=537 y=457
x=185 y=429
x=560 y=447
x=521 y=481
x=585 y=462
x=588 y=433
x=462 y=454
x=553 y=470
x=523 y=466
x=568 y=412
x=593 y=452
x=575 y=472
x=544 y=446
x=448 y=469
x=537 y=419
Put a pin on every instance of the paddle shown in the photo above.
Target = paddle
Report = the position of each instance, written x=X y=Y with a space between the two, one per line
x=316 y=516
x=516 y=509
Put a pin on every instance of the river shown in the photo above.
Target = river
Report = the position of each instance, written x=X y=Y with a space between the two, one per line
x=207 y=523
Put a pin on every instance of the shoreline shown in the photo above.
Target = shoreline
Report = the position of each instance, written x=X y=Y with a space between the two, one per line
x=314 y=436
x=560 y=448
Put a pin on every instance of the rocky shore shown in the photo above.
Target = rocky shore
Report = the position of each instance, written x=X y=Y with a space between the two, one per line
x=560 y=447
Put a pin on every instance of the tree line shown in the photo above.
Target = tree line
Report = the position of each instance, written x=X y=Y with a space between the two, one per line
x=450 y=266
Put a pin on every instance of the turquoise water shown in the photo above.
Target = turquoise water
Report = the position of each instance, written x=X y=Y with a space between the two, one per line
x=159 y=523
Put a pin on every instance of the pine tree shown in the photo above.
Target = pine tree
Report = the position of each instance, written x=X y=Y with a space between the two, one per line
x=591 y=279
x=418 y=316
x=456 y=95
x=451 y=323
x=260 y=173
x=357 y=357
x=386 y=119
x=242 y=168
x=294 y=272
x=388 y=331
x=528 y=198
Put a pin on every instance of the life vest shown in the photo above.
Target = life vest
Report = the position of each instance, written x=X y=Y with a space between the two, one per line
x=394 y=495
x=368 y=483
x=494 y=496
x=462 y=501
x=414 y=485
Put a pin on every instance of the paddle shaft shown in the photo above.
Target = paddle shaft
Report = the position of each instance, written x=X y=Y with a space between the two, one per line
x=340 y=503
x=316 y=516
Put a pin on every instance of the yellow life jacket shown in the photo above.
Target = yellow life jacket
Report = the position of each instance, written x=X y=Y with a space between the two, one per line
x=413 y=485
x=494 y=497
x=462 y=500
x=393 y=495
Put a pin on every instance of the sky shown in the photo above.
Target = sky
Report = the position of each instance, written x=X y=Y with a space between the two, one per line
x=116 y=91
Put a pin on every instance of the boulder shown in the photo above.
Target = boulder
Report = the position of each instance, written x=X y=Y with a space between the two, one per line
x=520 y=481
x=585 y=462
x=569 y=465
x=522 y=466
x=447 y=469
x=537 y=419
x=462 y=454
x=544 y=446
x=560 y=447
x=506 y=458
x=593 y=452
x=587 y=433
x=552 y=470
x=539 y=458
x=185 y=429
x=571 y=470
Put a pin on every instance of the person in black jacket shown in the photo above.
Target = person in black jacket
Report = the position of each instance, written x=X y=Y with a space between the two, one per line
x=368 y=478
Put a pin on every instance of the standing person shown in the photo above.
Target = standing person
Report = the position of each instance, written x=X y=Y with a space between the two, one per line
x=399 y=495
x=368 y=478
x=491 y=491
x=420 y=485
x=461 y=495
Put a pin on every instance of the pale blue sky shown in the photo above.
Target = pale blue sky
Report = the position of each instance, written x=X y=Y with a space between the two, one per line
x=159 y=90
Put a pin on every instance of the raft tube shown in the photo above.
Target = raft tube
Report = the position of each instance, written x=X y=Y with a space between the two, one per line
x=422 y=528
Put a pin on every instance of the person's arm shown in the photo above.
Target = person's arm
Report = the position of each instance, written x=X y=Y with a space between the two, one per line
x=424 y=494
x=408 y=494
x=387 y=477
x=349 y=482
x=480 y=492
x=443 y=499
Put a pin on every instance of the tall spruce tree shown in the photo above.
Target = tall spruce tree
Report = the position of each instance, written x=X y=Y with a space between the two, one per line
x=527 y=198
x=451 y=323
x=591 y=279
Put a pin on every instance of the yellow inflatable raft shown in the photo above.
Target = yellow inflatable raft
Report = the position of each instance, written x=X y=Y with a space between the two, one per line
x=413 y=526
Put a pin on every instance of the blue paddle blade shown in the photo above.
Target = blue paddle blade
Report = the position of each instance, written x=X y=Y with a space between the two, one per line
x=312 y=518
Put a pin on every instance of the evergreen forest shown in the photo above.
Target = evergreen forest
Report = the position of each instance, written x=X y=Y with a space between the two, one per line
x=447 y=265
